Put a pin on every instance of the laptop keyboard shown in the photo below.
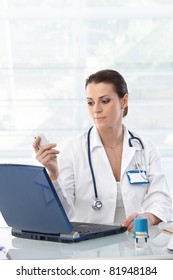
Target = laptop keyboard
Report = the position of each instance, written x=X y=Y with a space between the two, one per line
x=87 y=228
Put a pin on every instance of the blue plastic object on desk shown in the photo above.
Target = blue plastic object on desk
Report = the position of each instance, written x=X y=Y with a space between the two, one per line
x=141 y=230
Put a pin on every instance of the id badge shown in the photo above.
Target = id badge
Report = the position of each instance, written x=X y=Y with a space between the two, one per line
x=137 y=177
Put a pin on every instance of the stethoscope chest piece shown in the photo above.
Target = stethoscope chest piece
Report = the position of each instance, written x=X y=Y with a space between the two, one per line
x=97 y=205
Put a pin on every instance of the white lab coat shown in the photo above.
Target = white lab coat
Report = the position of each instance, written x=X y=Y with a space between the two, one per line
x=75 y=187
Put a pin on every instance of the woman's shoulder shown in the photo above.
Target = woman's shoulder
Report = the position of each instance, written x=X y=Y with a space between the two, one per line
x=139 y=135
x=147 y=143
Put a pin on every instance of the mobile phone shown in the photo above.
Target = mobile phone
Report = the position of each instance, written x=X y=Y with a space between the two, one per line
x=43 y=140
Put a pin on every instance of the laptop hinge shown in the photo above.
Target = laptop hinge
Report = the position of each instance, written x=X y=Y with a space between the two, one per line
x=71 y=235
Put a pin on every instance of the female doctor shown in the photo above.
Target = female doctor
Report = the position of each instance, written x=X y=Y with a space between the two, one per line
x=108 y=174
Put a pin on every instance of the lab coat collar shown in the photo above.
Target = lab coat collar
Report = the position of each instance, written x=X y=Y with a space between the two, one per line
x=128 y=152
x=95 y=139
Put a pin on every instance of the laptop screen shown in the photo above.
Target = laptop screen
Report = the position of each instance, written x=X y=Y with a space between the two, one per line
x=28 y=200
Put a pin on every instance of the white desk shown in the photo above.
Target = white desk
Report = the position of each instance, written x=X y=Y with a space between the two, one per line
x=119 y=246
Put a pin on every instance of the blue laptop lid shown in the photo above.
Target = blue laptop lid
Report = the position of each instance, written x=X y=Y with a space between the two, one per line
x=28 y=200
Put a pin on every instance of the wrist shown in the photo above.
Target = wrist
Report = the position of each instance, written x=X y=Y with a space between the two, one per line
x=152 y=219
x=53 y=176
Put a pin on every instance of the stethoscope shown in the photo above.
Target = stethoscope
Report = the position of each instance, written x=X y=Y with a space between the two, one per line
x=132 y=138
x=97 y=204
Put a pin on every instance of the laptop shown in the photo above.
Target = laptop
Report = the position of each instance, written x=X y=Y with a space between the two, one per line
x=31 y=207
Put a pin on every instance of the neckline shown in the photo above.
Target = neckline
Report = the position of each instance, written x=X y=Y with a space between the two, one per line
x=120 y=140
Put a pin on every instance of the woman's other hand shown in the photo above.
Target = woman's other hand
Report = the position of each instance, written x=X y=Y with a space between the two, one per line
x=129 y=221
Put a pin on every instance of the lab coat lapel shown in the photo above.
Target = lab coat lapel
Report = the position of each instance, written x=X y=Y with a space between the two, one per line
x=95 y=139
x=128 y=152
x=104 y=164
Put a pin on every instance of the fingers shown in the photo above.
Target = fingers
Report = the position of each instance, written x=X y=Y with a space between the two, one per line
x=45 y=153
x=129 y=221
x=36 y=144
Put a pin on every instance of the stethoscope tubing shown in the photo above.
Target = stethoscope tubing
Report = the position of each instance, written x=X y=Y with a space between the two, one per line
x=91 y=166
x=134 y=138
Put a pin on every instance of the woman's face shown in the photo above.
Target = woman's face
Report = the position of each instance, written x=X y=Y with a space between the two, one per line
x=104 y=105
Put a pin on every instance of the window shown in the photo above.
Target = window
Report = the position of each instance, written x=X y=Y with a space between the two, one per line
x=47 y=50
